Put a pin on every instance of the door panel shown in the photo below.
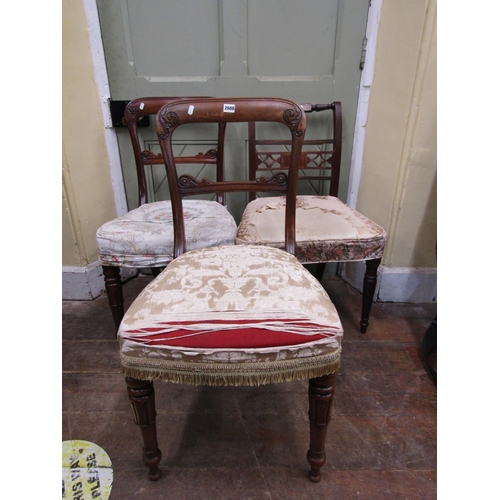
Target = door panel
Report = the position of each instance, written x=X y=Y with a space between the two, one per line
x=305 y=51
x=165 y=39
x=291 y=42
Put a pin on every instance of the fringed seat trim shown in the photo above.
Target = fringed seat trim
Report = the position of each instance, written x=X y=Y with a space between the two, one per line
x=239 y=374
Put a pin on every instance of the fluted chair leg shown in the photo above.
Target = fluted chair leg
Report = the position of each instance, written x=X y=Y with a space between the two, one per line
x=369 y=285
x=113 y=284
x=321 y=391
x=141 y=394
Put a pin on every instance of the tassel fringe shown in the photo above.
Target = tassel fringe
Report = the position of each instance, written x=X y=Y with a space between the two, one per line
x=218 y=374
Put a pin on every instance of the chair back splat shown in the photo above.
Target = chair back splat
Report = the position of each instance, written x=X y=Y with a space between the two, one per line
x=319 y=160
x=282 y=111
x=134 y=112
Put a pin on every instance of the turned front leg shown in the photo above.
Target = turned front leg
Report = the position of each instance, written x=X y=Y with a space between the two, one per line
x=114 y=289
x=141 y=394
x=369 y=285
x=320 y=406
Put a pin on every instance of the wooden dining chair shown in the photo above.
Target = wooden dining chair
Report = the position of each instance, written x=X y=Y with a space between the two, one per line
x=143 y=238
x=234 y=315
x=328 y=230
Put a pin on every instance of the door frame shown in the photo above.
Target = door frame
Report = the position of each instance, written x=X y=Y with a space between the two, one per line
x=102 y=84
x=365 y=87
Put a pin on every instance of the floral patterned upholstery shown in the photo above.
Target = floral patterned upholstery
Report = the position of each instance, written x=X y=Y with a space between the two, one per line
x=327 y=230
x=231 y=315
x=144 y=237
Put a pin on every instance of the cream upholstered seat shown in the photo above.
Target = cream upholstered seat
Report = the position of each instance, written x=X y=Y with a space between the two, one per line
x=231 y=315
x=144 y=237
x=328 y=230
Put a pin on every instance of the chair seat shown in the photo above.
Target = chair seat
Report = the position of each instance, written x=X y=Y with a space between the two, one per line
x=231 y=315
x=144 y=237
x=327 y=230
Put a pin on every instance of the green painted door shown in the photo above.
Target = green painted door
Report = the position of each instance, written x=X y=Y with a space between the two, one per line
x=308 y=51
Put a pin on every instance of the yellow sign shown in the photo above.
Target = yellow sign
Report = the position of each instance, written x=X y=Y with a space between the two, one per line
x=86 y=471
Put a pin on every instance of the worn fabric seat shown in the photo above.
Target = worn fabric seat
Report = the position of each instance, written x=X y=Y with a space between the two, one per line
x=327 y=230
x=242 y=316
x=144 y=237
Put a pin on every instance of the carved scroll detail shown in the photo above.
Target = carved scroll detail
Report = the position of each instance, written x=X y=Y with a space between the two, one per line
x=187 y=181
x=168 y=121
x=279 y=179
x=149 y=155
x=211 y=153
x=131 y=114
x=292 y=117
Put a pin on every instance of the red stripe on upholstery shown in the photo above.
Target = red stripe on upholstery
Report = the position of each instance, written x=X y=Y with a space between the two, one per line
x=238 y=338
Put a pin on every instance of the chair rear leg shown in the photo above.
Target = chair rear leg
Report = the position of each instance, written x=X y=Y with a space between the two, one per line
x=317 y=270
x=369 y=284
x=155 y=271
x=320 y=270
x=141 y=394
x=321 y=391
x=114 y=289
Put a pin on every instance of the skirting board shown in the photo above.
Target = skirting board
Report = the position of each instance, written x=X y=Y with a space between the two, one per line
x=401 y=284
x=87 y=283
x=397 y=284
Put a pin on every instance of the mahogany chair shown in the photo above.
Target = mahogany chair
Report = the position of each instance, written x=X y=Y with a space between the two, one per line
x=144 y=237
x=328 y=230
x=231 y=315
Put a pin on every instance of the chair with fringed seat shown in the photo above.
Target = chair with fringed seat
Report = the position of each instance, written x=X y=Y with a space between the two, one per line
x=234 y=315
